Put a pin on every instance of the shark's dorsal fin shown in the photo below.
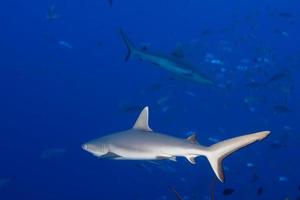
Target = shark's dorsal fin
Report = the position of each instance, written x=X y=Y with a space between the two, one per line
x=192 y=139
x=142 y=121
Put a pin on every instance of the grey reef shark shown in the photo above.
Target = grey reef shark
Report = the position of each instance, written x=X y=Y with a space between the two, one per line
x=173 y=63
x=142 y=143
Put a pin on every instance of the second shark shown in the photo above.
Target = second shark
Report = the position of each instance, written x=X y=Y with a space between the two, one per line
x=172 y=63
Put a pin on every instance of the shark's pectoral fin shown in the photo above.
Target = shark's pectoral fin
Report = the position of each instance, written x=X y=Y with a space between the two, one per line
x=191 y=159
x=111 y=155
x=142 y=121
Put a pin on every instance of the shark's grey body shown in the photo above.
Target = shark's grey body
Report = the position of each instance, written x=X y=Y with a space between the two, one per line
x=141 y=143
x=174 y=64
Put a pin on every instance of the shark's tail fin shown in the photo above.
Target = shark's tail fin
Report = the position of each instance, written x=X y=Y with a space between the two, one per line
x=130 y=46
x=217 y=152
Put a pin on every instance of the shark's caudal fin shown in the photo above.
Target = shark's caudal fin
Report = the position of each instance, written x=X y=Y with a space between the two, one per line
x=130 y=46
x=217 y=152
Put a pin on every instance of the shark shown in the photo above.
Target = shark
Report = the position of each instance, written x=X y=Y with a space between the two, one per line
x=173 y=63
x=142 y=143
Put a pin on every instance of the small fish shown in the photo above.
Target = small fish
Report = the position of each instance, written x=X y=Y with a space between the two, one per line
x=259 y=191
x=283 y=179
x=52 y=15
x=228 y=191
x=281 y=109
x=277 y=77
x=216 y=62
x=178 y=196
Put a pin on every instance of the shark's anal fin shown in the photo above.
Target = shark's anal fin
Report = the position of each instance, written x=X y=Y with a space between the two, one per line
x=142 y=121
x=191 y=159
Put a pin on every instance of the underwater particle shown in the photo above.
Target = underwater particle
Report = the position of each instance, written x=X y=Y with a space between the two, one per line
x=228 y=191
x=249 y=164
x=64 y=44
x=283 y=179
x=259 y=191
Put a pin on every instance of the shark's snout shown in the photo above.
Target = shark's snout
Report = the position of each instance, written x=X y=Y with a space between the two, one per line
x=84 y=147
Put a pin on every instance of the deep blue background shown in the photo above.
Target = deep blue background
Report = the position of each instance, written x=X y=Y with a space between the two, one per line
x=53 y=97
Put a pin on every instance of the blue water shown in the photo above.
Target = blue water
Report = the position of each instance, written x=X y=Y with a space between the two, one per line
x=64 y=81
